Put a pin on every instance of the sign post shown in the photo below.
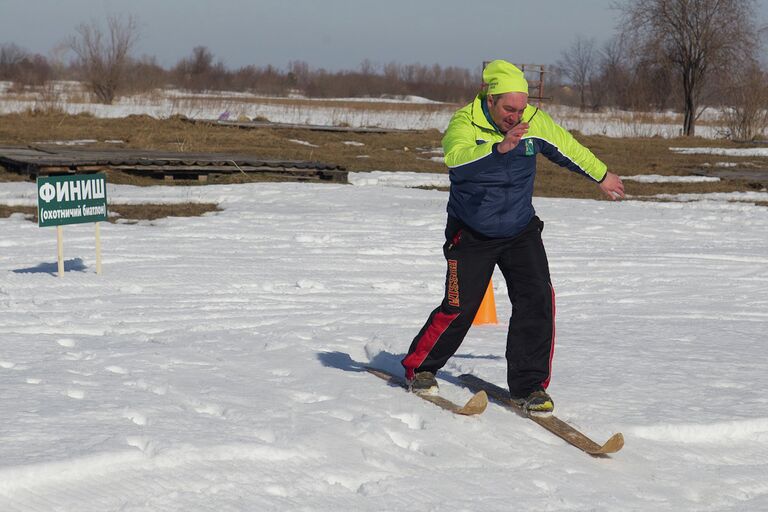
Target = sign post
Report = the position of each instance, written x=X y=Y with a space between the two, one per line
x=98 y=248
x=72 y=199
x=60 y=249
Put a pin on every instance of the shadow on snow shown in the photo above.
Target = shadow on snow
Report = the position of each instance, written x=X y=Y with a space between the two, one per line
x=74 y=265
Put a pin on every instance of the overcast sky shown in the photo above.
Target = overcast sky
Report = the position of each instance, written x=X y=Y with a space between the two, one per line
x=330 y=34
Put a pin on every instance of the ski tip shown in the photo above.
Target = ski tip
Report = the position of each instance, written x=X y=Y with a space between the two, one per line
x=475 y=405
x=612 y=445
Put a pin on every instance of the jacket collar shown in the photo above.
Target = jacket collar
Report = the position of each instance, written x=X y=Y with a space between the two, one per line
x=478 y=114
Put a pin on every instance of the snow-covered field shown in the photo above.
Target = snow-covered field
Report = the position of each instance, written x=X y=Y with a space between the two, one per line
x=72 y=98
x=216 y=364
x=743 y=152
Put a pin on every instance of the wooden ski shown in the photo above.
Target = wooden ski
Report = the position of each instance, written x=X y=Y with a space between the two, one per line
x=550 y=422
x=475 y=405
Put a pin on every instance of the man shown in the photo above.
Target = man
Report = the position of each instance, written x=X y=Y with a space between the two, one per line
x=490 y=148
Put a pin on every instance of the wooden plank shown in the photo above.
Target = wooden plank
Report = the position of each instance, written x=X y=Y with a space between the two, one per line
x=44 y=161
x=145 y=157
x=182 y=172
x=291 y=126
x=224 y=169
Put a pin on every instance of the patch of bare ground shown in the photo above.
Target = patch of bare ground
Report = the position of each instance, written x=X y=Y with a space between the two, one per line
x=6 y=176
x=630 y=157
x=129 y=212
x=160 y=211
x=412 y=151
x=28 y=211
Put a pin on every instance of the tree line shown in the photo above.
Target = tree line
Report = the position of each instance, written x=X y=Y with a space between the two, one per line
x=679 y=55
x=103 y=61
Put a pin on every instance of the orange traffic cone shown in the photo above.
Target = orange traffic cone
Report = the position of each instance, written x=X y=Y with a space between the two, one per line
x=487 y=312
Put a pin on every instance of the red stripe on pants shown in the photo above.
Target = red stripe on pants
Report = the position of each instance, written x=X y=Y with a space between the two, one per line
x=440 y=322
x=545 y=384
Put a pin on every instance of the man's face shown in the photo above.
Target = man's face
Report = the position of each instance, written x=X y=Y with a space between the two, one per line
x=507 y=110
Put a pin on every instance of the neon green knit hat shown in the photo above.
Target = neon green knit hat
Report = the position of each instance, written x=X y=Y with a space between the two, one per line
x=501 y=77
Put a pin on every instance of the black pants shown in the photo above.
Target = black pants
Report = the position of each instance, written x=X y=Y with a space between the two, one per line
x=471 y=260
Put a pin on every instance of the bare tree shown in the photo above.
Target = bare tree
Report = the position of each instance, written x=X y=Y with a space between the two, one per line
x=11 y=56
x=104 y=56
x=23 y=68
x=747 y=114
x=144 y=74
x=298 y=73
x=697 y=37
x=578 y=64
x=199 y=73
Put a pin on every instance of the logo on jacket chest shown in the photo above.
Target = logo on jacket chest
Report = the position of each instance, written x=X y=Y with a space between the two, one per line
x=530 y=150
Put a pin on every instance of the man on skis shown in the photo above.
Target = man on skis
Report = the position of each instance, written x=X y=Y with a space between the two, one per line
x=490 y=148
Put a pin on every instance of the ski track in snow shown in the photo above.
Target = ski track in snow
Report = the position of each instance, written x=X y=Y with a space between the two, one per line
x=217 y=364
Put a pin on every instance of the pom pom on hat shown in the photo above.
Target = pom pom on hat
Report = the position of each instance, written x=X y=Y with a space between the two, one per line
x=501 y=77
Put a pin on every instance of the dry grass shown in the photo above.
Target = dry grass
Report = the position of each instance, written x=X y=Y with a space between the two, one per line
x=129 y=212
x=395 y=151
x=160 y=211
x=389 y=151
x=6 y=176
x=28 y=211
x=629 y=157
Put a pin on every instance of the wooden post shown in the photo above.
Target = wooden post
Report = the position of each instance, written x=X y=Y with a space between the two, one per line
x=98 y=247
x=60 y=249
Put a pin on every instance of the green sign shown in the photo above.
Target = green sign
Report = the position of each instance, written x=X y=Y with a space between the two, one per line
x=71 y=199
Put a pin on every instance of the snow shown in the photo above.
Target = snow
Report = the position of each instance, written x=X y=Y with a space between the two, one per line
x=399 y=179
x=621 y=123
x=761 y=196
x=303 y=143
x=657 y=178
x=423 y=179
x=392 y=112
x=163 y=103
x=216 y=364
x=744 y=152
x=721 y=164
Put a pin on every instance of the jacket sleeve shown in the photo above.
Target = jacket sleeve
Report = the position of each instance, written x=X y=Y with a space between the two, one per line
x=459 y=144
x=562 y=148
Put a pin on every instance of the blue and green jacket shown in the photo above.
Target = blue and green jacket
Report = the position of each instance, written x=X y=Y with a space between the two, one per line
x=491 y=192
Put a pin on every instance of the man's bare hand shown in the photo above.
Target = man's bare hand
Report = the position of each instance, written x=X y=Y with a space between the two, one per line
x=512 y=138
x=612 y=187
